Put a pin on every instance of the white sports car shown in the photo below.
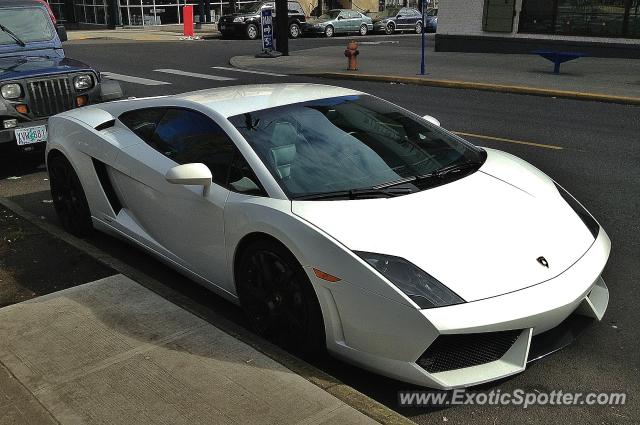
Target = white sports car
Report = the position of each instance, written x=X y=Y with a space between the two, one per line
x=339 y=220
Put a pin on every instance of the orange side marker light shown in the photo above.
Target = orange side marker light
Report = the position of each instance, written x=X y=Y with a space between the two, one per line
x=326 y=276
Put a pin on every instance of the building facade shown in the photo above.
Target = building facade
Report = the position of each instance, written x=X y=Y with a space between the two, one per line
x=141 y=13
x=597 y=27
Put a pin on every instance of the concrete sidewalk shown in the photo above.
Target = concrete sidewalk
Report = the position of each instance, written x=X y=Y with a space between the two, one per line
x=114 y=352
x=400 y=61
x=173 y=33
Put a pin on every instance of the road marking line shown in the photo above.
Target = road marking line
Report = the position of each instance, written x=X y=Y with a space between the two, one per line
x=225 y=68
x=194 y=74
x=132 y=79
x=500 y=139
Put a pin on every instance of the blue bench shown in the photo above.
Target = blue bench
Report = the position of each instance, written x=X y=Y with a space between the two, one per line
x=558 y=57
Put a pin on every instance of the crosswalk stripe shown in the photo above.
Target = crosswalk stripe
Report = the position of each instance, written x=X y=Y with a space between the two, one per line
x=194 y=74
x=225 y=68
x=132 y=79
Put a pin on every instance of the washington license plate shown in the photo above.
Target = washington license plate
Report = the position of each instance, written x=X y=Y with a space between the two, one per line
x=29 y=135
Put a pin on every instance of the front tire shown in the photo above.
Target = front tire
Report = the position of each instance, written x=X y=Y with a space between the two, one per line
x=363 y=30
x=69 y=199
x=390 y=28
x=419 y=27
x=294 y=30
x=252 y=32
x=278 y=299
x=328 y=31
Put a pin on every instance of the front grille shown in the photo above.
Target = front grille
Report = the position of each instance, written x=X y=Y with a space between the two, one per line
x=50 y=97
x=449 y=352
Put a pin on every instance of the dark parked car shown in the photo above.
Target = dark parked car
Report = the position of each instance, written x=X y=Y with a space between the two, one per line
x=36 y=79
x=398 y=19
x=246 y=22
x=431 y=20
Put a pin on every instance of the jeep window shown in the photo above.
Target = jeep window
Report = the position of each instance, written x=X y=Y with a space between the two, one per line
x=295 y=8
x=28 y=24
x=251 y=7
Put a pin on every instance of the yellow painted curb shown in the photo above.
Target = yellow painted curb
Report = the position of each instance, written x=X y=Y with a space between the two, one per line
x=481 y=86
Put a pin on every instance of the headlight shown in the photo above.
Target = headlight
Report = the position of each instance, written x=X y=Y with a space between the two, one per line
x=11 y=91
x=238 y=19
x=83 y=82
x=584 y=215
x=417 y=284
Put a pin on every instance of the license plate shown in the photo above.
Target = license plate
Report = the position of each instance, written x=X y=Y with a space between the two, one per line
x=29 y=135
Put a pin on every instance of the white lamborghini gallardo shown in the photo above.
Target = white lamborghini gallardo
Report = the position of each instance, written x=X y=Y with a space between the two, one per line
x=338 y=220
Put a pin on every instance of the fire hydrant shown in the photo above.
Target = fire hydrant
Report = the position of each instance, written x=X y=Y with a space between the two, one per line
x=352 y=56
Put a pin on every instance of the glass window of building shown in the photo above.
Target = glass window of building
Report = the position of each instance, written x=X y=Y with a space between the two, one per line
x=591 y=18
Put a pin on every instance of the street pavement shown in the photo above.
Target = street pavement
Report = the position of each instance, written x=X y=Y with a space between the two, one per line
x=590 y=148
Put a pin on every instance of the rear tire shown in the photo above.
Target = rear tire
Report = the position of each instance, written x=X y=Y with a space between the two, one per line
x=252 y=31
x=364 y=30
x=419 y=27
x=69 y=199
x=278 y=299
x=294 y=30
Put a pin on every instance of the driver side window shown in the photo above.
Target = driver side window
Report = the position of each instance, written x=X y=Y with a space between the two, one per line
x=187 y=136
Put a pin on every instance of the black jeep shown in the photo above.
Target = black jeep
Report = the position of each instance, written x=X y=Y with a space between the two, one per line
x=36 y=79
x=246 y=23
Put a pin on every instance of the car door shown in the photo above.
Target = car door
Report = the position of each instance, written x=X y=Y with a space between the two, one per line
x=180 y=219
x=402 y=21
x=342 y=22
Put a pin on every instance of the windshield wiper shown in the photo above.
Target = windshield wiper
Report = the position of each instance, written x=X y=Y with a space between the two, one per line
x=13 y=35
x=450 y=169
x=358 y=193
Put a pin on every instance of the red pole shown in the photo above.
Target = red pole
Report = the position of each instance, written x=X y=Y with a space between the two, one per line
x=187 y=17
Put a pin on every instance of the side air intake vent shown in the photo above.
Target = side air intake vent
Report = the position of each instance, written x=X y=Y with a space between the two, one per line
x=105 y=182
x=105 y=125
x=449 y=352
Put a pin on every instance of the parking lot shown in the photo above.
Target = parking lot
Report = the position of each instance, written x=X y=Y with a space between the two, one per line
x=591 y=148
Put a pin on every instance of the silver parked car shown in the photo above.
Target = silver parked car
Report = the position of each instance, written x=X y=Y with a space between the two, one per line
x=338 y=21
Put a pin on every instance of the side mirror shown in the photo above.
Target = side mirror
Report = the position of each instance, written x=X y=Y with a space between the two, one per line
x=432 y=120
x=62 y=32
x=196 y=174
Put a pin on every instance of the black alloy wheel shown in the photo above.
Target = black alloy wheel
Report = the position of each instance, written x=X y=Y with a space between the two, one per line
x=68 y=197
x=278 y=299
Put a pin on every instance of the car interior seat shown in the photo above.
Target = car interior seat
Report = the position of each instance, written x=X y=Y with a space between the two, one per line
x=283 y=153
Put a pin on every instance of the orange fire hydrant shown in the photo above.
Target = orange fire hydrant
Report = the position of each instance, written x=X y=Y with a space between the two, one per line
x=352 y=56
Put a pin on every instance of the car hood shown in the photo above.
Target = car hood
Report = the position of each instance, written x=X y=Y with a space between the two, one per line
x=19 y=67
x=480 y=235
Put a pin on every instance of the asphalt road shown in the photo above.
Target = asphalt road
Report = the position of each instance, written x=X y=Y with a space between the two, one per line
x=598 y=161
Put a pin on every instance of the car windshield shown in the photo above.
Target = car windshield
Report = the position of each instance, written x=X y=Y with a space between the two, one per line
x=349 y=143
x=388 y=12
x=332 y=14
x=28 y=24
x=251 y=7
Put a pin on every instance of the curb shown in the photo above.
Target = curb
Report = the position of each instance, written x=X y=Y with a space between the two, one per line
x=501 y=88
x=322 y=380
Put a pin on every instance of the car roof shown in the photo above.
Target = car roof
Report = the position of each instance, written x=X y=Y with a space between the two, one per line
x=235 y=100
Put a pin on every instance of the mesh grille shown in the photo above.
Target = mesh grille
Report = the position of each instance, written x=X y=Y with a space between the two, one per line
x=50 y=97
x=449 y=352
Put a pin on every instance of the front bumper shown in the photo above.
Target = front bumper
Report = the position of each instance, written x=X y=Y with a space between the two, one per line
x=312 y=29
x=392 y=340
x=8 y=143
x=233 y=28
